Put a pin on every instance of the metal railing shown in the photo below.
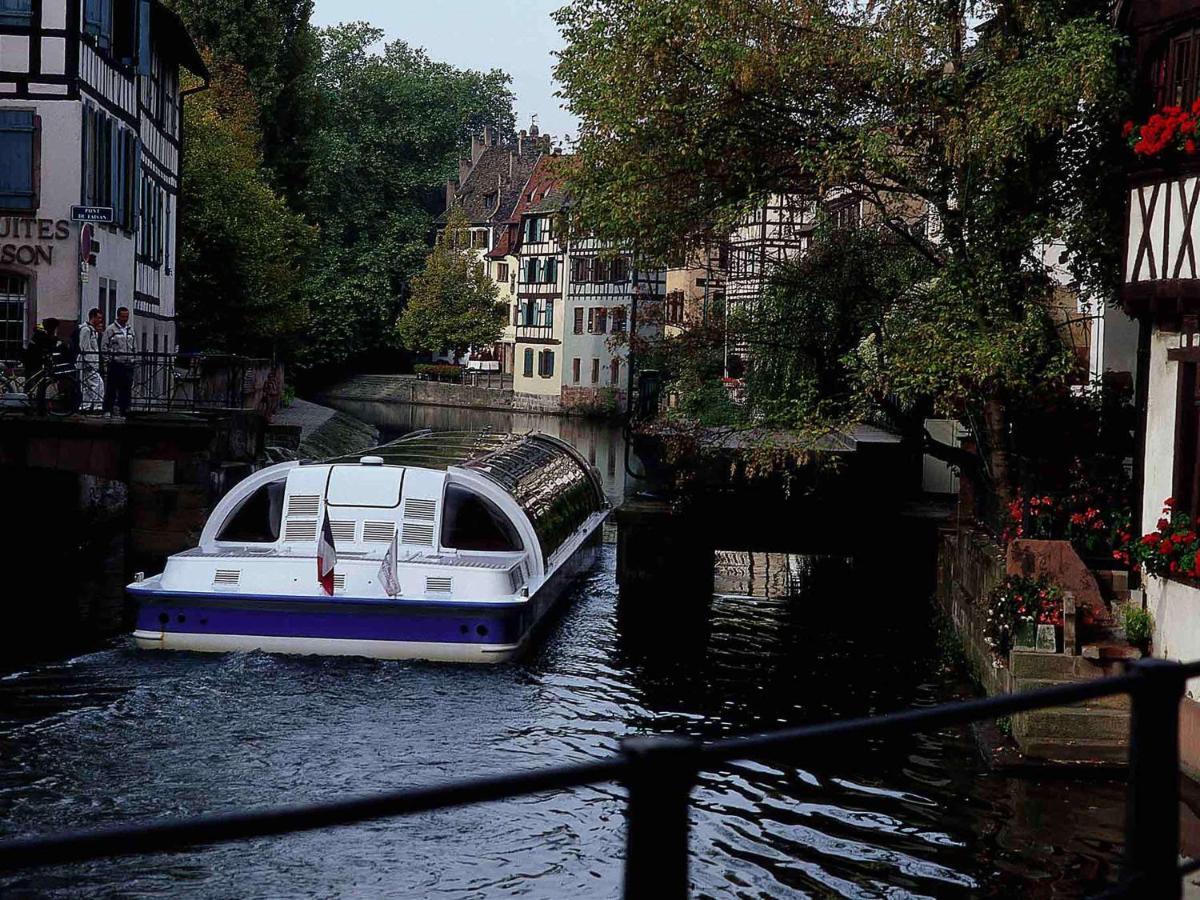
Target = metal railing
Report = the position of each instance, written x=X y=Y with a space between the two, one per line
x=659 y=773
x=184 y=382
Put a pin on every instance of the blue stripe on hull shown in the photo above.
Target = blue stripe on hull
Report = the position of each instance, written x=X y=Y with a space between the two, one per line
x=346 y=618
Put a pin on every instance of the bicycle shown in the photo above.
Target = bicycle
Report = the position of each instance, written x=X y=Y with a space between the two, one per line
x=55 y=387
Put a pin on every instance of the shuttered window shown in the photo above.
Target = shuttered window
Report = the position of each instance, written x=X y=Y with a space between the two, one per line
x=18 y=153
x=98 y=21
x=579 y=320
x=546 y=363
x=1187 y=440
x=528 y=363
x=1177 y=70
x=16 y=12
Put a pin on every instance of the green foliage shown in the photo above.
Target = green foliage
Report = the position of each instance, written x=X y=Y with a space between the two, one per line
x=439 y=371
x=992 y=122
x=815 y=315
x=241 y=250
x=1138 y=625
x=275 y=44
x=454 y=304
x=393 y=125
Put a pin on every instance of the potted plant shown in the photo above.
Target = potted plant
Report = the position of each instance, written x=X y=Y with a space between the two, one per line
x=1139 y=627
x=1017 y=608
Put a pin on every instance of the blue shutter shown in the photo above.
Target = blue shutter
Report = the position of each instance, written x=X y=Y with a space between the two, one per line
x=16 y=159
x=16 y=12
x=143 y=33
x=85 y=193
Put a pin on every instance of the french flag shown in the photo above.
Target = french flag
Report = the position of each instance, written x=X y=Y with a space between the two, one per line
x=326 y=557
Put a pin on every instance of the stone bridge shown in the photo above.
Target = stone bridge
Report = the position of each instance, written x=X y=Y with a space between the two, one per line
x=173 y=468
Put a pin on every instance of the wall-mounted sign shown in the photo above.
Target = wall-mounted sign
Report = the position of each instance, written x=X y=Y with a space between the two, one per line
x=32 y=240
x=102 y=214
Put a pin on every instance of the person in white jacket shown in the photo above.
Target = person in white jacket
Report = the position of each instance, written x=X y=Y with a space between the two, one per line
x=119 y=345
x=89 y=361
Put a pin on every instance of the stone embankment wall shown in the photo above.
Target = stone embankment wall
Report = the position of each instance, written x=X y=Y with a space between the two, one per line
x=970 y=565
x=408 y=389
x=303 y=430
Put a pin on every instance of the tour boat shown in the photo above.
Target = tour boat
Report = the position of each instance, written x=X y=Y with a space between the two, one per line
x=449 y=547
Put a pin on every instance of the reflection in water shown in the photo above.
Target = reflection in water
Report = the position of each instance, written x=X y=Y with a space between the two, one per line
x=118 y=736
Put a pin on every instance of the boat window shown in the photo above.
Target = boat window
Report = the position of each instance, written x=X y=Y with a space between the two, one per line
x=258 y=519
x=472 y=522
x=376 y=487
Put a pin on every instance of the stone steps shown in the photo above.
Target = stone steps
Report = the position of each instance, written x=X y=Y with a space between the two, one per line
x=1059 y=667
x=1119 y=701
x=1096 y=752
x=1094 y=731
x=1071 y=723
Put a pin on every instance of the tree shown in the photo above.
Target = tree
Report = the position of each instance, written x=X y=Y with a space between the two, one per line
x=454 y=304
x=275 y=44
x=241 y=250
x=393 y=127
x=995 y=118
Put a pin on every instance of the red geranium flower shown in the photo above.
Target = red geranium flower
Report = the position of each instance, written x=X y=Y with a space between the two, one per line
x=1127 y=129
x=1169 y=503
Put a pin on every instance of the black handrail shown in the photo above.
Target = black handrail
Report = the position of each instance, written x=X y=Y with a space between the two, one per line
x=659 y=773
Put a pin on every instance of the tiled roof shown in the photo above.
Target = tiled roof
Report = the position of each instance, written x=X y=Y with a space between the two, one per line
x=542 y=193
x=493 y=185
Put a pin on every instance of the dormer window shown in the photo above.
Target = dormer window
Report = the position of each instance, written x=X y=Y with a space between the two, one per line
x=16 y=12
x=1176 y=72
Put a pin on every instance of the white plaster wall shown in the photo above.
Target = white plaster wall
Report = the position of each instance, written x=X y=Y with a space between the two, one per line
x=55 y=288
x=1175 y=606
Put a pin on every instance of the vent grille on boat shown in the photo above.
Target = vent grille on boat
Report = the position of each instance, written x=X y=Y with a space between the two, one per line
x=378 y=531
x=304 y=505
x=413 y=533
x=227 y=577
x=300 y=530
x=420 y=509
x=343 y=531
x=438 y=584
x=339 y=582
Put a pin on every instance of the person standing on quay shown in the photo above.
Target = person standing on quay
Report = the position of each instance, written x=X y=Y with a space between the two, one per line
x=89 y=361
x=119 y=346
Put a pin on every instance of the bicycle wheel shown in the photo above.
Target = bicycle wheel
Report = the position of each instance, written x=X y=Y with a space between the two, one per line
x=61 y=395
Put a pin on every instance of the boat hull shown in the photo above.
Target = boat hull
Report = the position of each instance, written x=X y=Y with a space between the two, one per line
x=436 y=630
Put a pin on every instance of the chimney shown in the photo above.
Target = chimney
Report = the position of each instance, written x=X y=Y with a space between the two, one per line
x=487 y=135
x=521 y=142
x=512 y=165
x=476 y=149
x=451 y=190
x=464 y=169
x=533 y=130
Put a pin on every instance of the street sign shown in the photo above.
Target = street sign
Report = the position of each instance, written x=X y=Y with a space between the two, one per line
x=102 y=214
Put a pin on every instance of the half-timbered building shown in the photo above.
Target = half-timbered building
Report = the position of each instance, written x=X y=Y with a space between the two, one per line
x=487 y=191
x=603 y=284
x=90 y=139
x=572 y=302
x=777 y=230
x=1161 y=289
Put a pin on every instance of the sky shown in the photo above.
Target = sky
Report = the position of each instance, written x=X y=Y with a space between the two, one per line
x=517 y=36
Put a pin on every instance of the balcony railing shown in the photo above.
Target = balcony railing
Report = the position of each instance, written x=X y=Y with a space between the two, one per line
x=659 y=773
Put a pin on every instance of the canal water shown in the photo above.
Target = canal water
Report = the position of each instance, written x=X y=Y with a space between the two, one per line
x=782 y=638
